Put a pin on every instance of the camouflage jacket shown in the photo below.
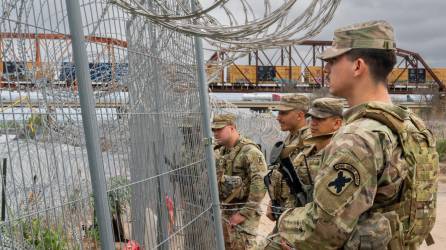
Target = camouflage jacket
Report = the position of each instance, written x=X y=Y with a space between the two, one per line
x=295 y=142
x=363 y=167
x=306 y=164
x=293 y=145
x=246 y=161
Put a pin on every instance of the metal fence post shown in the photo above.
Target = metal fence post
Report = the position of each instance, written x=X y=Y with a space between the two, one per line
x=90 y=125
x=207 y=133
x=212 y=173
x=3 y=187
x=159 y=161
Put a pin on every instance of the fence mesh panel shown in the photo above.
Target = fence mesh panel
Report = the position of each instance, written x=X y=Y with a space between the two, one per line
x=148 y=112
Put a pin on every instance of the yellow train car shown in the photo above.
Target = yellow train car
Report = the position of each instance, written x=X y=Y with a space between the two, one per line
x=242 y=74
x=283 y=74
x=439 y=72
x=398 y=75
x=313 y=75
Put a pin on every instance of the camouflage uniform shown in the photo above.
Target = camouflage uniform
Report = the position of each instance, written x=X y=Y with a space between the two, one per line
x=294 y=141
x=280 y=188
x=246 y=161
x=307 y=162
x=293 y=144
x=376 y=187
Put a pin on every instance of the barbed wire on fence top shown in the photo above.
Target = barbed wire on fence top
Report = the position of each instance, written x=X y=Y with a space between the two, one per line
x=236 y=27
x=243 y=23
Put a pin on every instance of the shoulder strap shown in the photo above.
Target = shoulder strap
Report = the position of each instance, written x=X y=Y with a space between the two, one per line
x=229 y=158
x=393 y=117
x=245 y=141
x=297 y=159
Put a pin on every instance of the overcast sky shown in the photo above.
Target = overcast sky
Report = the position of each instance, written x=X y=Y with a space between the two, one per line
x=420 y=25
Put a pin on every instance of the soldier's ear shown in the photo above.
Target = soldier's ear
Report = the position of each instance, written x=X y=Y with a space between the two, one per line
x=359 y=67
x=338 y=123
x=300 y=114
x=233 y=128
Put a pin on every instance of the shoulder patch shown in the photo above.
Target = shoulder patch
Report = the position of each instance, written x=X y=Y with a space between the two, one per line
x=340 y=182
x=338 y=185
x=352 y=170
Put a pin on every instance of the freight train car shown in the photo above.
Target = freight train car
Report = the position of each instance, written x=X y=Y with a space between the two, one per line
x=15 y=71
x=266 y=75
x=439 y=72
x=313 y=75
x=242 y=74
x=416 y=75
x=283 y=74
x=398 y=75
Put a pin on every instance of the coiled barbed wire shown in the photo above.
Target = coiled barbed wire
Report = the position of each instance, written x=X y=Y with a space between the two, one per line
x=285 y=25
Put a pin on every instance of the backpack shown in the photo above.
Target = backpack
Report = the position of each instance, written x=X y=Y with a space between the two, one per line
x=416 y=206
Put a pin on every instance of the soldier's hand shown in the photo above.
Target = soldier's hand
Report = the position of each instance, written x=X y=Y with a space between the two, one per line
x=236 y=219
x=269 y=211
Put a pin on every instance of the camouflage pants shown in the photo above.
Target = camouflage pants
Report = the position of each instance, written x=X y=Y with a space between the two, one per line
x=242 y=237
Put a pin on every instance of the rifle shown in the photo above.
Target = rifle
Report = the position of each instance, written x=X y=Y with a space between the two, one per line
x=289 y=175
x=275 y=205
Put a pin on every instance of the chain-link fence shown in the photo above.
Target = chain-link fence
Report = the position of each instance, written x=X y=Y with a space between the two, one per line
x=261 y=127
x=147 y=107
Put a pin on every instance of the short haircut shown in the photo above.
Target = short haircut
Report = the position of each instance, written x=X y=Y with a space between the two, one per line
x=380 y=62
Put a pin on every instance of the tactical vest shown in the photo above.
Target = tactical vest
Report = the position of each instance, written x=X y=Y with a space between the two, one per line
x=301 y=160
x=416 y=205
x=305 y=163
x=224 y=163
x=293 y=145
x=278 y=189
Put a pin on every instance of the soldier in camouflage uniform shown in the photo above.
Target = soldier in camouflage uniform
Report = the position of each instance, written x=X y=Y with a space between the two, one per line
x=240 y=164
x=292 y=112
x=377 y=183
x=326 y=118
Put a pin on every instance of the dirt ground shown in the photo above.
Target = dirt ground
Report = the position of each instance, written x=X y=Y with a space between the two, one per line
x=439 y=231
